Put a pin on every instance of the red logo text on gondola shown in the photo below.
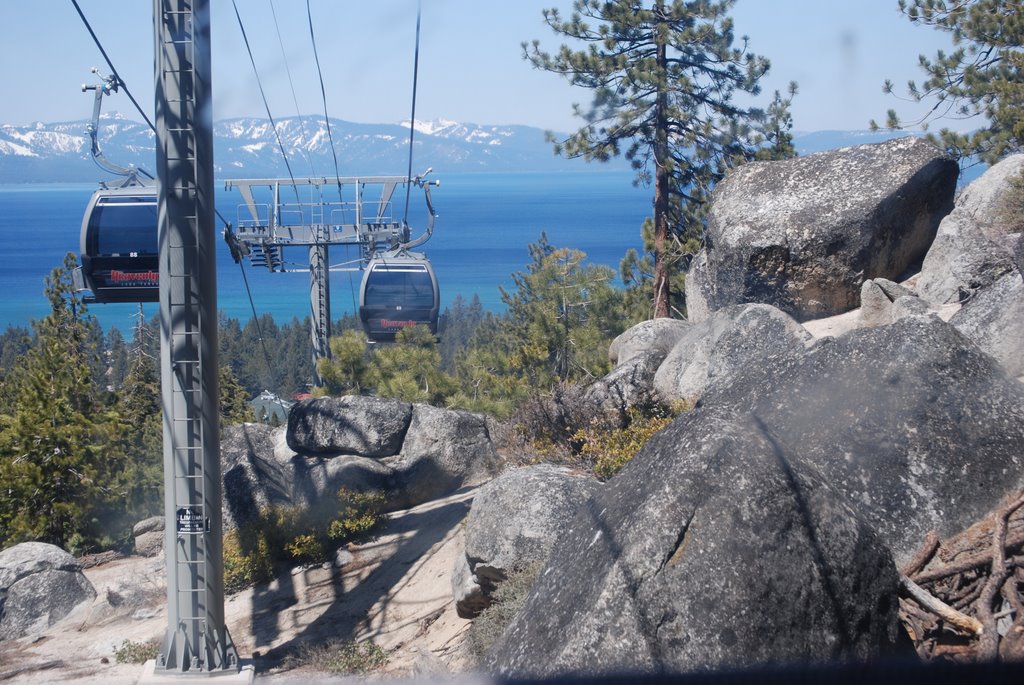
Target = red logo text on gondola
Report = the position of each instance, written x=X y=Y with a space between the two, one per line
x=135 y=277
x=388 y=323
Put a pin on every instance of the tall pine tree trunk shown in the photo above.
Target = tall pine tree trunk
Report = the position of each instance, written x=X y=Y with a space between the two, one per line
x=661 y=174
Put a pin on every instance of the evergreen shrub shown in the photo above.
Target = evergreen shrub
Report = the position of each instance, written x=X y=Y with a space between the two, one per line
x=287 y=533
x=606 y=450
x=508 y=599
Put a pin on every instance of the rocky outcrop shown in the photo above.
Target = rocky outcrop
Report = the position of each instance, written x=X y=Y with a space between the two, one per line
x=802 y=477
x=974 y=247
x=423 y=454
x=711 y=550
x=804 y=234
x=148 y=535
x=443 y=451
x=513 y=524
x=40 y=584
x=994 y=320
x=360 y=426
x=652 y=337
x=913 y=424
x=730 y=339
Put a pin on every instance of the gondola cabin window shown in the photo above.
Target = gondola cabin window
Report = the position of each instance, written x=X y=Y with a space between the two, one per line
x=125 y=227
x=402 y=287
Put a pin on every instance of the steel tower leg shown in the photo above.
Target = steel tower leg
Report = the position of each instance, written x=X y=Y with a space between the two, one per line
x=319 y=305
x=196 y=641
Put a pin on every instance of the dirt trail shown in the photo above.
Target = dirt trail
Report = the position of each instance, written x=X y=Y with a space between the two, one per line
x=395 y=590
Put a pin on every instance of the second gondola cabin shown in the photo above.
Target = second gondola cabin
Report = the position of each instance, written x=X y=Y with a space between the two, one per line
x=119 y=249
x=399 y=290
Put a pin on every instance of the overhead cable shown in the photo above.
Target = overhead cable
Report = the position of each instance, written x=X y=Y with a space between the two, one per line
x=323 y=97
x=412 y=118
x=295 y=100
x=266 y=105
x=110 y=64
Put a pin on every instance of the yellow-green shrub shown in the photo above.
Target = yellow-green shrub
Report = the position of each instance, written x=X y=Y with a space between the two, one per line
x=608 y=450
x=287 y=533
x=248 y=564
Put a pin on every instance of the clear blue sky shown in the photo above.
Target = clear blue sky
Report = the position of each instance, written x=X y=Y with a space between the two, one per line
x=471 y=70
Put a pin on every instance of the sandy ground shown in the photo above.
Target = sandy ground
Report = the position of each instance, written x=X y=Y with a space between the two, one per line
x=836 y=326
x=395 y=591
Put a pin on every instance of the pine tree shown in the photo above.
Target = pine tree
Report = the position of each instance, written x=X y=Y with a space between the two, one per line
x=410 y=369
x=982 y=78
x=561 y=317
x=59 y=448
x=456 y=327
x=234 y=400
x=344 y=373
x=664 y=76
x=141 y=416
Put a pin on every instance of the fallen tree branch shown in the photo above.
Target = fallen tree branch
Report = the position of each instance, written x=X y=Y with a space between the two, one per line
x=966 y=623
x=924 y=555
x=988 y=645
x=31 y=668
x=970 y=563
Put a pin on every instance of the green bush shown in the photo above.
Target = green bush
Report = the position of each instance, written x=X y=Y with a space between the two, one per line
x=246 y=564
x=607 y=450
x=291 y=534
x=506 y=602
x=136 y=652
x=306 y=548
x=358 y=514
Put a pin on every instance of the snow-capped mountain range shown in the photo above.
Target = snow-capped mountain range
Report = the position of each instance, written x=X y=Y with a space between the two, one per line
x=247 y=148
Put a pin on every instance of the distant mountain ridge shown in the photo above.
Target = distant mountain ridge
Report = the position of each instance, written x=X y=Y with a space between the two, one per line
x=247 y=148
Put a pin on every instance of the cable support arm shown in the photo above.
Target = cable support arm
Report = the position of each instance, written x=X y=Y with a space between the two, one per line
x=431 y=213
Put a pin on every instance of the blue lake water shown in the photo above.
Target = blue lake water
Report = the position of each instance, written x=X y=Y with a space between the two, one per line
x=485 y=223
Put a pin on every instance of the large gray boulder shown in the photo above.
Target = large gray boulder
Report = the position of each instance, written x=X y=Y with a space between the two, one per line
x=710 y=550
x=260 y=471
x=257 y=471
x=719 y=346
x=911 y=423
x=973 y=247
x=804 y=234
x=513 y=524
x=40 y=584
x=444 y=450
x=652 y=337
x=361 y=426
x=877 y=297
x=801 y=480
x=148 y=535
x=994 y=319
x=438 y=451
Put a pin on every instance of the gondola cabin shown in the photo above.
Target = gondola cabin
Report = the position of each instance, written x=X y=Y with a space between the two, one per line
x=119 y=245
x=399 y=290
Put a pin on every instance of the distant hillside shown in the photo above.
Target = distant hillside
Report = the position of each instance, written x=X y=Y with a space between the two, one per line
x=59 y=152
